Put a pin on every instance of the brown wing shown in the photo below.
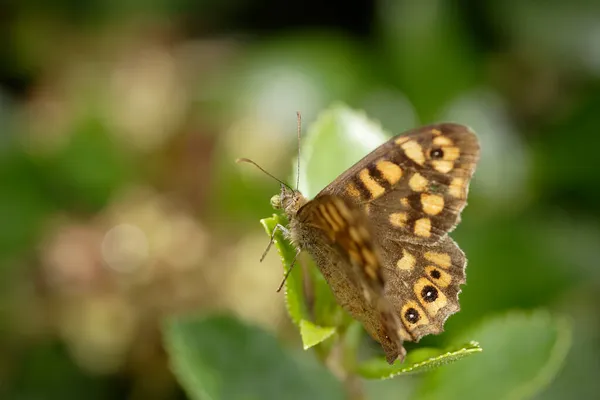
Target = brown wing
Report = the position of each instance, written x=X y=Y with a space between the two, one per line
x=411 y=288
x=354 y=272
x=412 y=190
x=424 y=283
x=413 y=187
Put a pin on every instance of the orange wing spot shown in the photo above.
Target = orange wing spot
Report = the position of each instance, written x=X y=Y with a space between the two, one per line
x=443 y=166
x=404 y=202
x=402 y=139
x=440 y=277
x=432 y=204
x=343 y=209
x=413 y=315
x=423 y=227
x=334 y=226
x=414 y=151
x=352 y=191
x=354 y=235
x=407 y=262
x=451 y=153
x=335 y=215
x=371 y=265
x=390 y=171
x=436 y=132
x=442 y=141
x=417 y=182
x=398 y=219
x=441 y=259
x=374 y=188
x=430 y=297
x=457 y=188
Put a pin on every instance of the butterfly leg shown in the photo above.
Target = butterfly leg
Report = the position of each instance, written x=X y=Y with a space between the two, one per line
x=280 y=227
x=298 y=251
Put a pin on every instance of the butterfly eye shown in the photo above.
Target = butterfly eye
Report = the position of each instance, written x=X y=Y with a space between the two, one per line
x=436 y=153
x=276 y=202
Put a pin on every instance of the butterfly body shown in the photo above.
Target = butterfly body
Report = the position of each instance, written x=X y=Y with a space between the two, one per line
x=378 y=232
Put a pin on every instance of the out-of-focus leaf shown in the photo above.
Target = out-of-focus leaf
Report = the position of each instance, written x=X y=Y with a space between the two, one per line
x=47 y=372
x=565 y=162
x=419 y=360
x=23 y=204
x=560 y=33
x=578 y=378
x=317 y=67
x=338 y=138
x=523 y=351
x=222 y=358
x=89 y=169
x=431 y=56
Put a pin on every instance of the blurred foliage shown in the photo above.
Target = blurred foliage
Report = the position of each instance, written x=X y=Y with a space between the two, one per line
x=221 y=358
x=522 y=351
x=121 y=204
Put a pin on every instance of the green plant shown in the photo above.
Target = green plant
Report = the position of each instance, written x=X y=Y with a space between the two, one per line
x=222 y=358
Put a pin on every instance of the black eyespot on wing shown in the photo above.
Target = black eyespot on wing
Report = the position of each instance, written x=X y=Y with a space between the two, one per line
x=429 y=293
x=412 y=315
x=435 y=274
x=436 y=154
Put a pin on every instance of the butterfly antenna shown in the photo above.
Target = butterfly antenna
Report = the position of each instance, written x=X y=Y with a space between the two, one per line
x=247 y=160
x=299 y=130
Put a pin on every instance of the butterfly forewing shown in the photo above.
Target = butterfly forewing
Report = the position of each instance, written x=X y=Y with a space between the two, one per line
x=347 y=229
x=414 y=186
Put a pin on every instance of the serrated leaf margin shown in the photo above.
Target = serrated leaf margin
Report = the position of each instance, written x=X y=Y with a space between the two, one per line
x=428 y=364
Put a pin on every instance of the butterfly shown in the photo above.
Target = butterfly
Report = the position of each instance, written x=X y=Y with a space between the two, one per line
x=379 y=232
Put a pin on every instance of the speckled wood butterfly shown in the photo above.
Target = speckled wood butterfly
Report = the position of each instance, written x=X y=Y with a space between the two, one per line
x=379 y=232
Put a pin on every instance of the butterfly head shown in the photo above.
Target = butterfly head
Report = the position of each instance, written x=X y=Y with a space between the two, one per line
x=288 y=200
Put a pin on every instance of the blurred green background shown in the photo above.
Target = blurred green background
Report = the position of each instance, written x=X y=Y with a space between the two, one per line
x=121 y=204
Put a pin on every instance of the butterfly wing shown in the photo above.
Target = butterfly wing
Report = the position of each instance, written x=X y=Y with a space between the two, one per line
x=414 y=186
x=424 y=284
x=412 y=190
x=353 y=269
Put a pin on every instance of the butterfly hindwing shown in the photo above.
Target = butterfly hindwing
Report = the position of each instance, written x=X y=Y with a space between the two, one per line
x=423 y=283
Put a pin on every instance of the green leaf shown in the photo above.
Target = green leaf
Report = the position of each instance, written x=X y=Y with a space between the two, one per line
x=338 y=139
x=313 y=334
x=523 y=353
x=418 y=360
x=325 y=309
x=220 y=357
x=294 y=294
